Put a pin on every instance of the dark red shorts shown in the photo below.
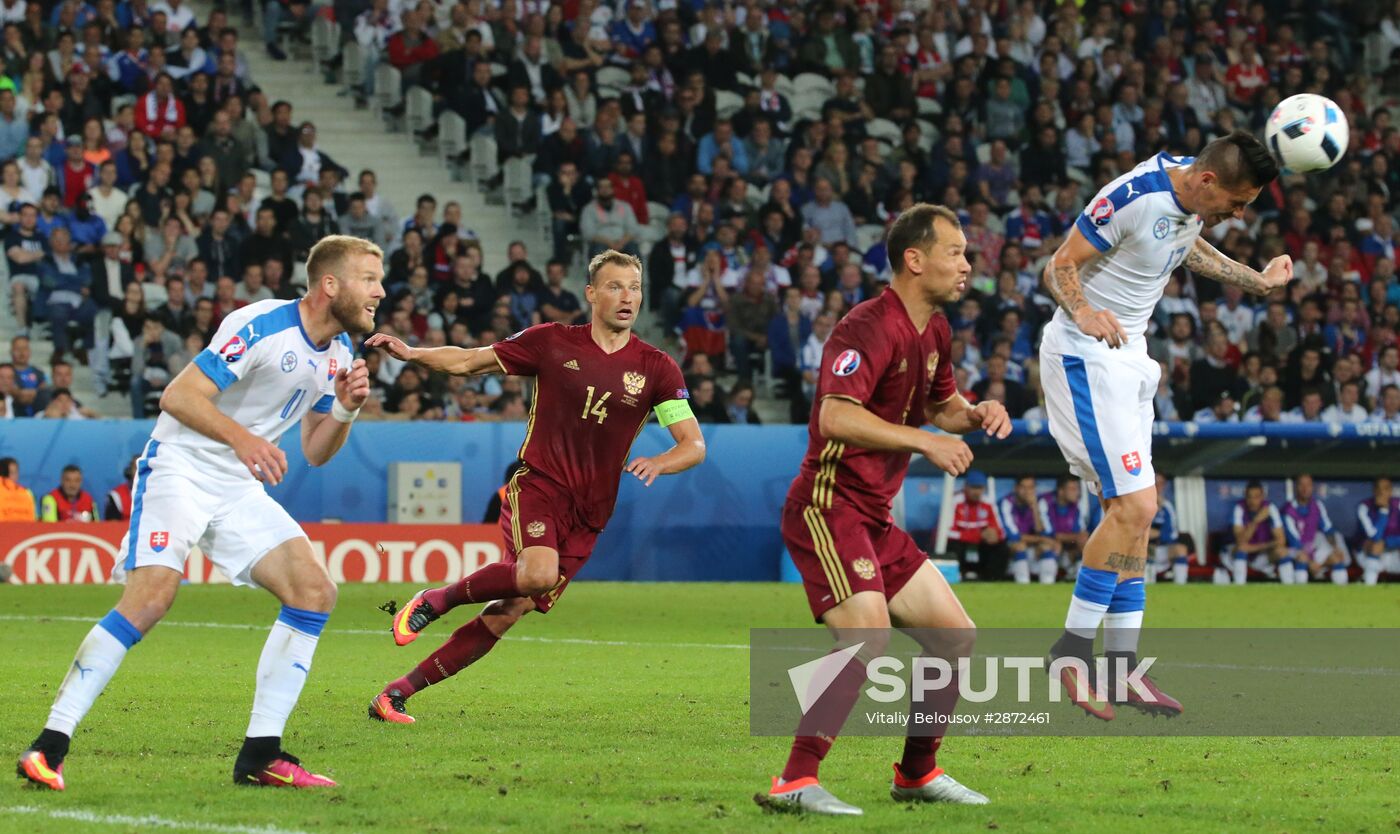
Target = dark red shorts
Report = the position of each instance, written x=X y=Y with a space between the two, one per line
x=841 y=552
x=538 y=512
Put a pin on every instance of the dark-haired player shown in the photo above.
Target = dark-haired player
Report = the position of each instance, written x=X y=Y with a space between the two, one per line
x=1099 y=381
x=595 y=388
x=885 y=372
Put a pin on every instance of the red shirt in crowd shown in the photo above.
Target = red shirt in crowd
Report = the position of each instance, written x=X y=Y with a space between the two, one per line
x=969 y=520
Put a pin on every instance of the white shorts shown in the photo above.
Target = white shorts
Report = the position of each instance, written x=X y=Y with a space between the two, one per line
x=178 y=502
x=1099 y=402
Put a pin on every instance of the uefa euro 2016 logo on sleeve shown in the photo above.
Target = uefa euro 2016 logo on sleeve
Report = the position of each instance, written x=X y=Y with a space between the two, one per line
x=1101 y=212
x=289 y=362
x=1160 y=228
x=233 y=349
x=847 y=363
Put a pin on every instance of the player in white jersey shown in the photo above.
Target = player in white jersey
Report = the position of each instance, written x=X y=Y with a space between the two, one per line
x=200 y=481
x=1099 y=381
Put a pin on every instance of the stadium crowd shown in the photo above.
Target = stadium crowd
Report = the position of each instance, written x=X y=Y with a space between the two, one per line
x=750 y=153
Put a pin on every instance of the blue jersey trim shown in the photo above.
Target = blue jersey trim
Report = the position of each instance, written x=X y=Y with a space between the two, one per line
x=323 y=405
x=143 y=475
x=1162 y=172
x=1091 y=234
x=214 y=368
x=1078 y=379
x=275 y=321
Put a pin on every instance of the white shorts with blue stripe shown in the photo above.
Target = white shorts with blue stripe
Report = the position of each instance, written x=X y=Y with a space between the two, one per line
x=179 y=500
x=1099 y=402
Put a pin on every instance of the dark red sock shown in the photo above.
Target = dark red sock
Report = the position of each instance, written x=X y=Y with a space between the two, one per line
x=921 y=746
x=466 y=646
x=495 y=581
x=819 y=727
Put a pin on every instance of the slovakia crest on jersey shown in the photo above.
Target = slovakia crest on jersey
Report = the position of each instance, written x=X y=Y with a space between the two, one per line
x=1101 y=212
x=1132 y=462
x=159 y=539
x=330 y=368
x=847 y=363
x=233 y=349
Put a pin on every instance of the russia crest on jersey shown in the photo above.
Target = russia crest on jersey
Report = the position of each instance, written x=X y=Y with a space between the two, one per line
x=233 y=349
x=1101 y=211
x=159 y=539
x=847 y=363
x=1132 y=462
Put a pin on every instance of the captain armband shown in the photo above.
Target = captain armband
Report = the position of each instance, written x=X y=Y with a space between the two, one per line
x=673 y=411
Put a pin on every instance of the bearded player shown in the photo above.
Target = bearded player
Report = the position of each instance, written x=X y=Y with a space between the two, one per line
x=1100 y=382
x=200 y=480
x=885 y=372
x=595 y=388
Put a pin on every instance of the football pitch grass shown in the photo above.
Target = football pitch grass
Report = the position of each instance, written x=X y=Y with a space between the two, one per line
x=625 y=710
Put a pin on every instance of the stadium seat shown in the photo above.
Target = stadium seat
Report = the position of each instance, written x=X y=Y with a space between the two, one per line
x=727 y=103
x=655 y=210
x=745 y=80
x=388 y=91
x=517 y=179
x=352 y=64
x=869 y=235
x=325 y=39
x=452 y=140
x=483 y=164
x=785 y=86
x=929 y=107
x=499 y=70
x=810 y=82
x=883 y=129
x=928 y=134
x=615 y=77
x=756 y=195
x=808 y=105
x=418 y=109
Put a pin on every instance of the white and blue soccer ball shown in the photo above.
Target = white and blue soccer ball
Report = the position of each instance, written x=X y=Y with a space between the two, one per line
x=1307 y=132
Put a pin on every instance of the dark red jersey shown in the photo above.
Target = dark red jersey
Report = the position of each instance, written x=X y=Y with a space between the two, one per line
x=875 y=358
x=588 y=408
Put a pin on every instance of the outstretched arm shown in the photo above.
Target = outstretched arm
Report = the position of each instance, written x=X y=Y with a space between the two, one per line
x=958 y=416
x=452 y=360
x=851 y=423
x=1062 y=279
x=1211 y=262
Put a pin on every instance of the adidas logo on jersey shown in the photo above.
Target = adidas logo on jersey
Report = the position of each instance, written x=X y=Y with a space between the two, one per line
x=572 y=364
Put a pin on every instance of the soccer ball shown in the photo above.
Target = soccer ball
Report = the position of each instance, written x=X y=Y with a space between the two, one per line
x=1307 y=132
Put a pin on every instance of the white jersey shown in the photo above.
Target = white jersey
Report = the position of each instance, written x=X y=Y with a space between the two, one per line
x=269 y=375
x=1143 y=233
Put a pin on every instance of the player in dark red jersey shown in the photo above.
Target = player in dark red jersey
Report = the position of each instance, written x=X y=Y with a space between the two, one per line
x=595 y=388
x=885 y=373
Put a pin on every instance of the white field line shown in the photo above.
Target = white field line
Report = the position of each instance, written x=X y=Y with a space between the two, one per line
x=144 y=822
x=579 y=641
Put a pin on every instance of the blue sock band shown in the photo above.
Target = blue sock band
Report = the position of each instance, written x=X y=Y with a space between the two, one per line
x=1096 y=586
x=1130 y=595
x=1180 y=560
x=307 y=622
x=1241 y=557
x=121 y=628
x=1339 y=567
x=1021 y=557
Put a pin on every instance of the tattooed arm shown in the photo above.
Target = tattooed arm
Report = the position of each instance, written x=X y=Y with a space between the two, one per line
x=1208 y=261
x=1062 y=279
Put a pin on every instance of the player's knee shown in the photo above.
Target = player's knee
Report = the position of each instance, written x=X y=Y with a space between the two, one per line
x=533 y=579
x=322 y=596
x=1136 y=510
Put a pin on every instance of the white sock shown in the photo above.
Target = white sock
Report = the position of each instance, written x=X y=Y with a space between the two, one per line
x=1285 y=571
x=1371 y=570
x=1049 y=566
x=1180 y=571
x=1241 y=570
x=99 y=655
x=283 y=669
x=1093 y=592
x=1021 y=569
x=1300 y=573
x=1340 y=575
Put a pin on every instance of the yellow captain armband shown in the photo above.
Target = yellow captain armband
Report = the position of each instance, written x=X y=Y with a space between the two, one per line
x=673 y=411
